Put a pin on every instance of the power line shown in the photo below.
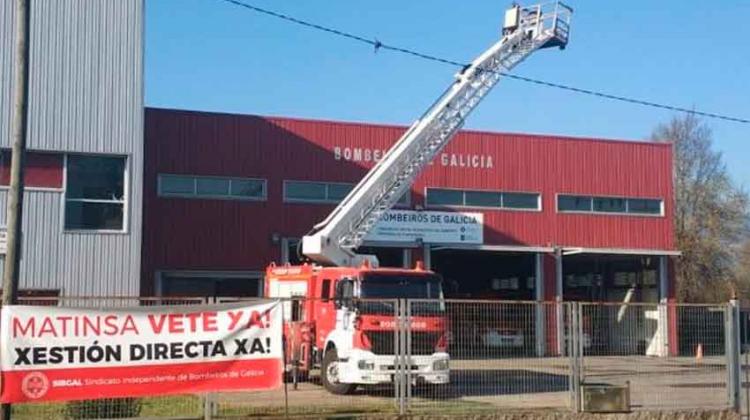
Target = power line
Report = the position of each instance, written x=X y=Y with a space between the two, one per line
x=377 y=45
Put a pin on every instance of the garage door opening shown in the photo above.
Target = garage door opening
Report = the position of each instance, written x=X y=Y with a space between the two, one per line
x=489 y=328
x=611 y=278
x=210 y=285
x=486 y=275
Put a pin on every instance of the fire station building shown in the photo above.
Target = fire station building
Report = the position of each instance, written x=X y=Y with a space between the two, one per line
x=498 y=215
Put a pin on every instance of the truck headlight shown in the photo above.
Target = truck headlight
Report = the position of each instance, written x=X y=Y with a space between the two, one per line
x=365 y=365
x=440 y=364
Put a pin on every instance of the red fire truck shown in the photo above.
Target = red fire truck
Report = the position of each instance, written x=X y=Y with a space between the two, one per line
x=343 y=317
x=345 y=322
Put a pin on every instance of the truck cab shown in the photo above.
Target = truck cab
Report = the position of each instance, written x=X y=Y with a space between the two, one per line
x=344 y=321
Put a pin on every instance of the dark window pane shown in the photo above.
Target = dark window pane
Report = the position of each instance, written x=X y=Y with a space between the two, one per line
x=609 y=205
x=445 y=197
x=248 y=188
x=482 y=199
x=100 y=216
x=212 y=186
x=337 y=192
x=520 y=201
x=644 y=206
x=171 y=184
x=314 y=191
x=573 y=203
x=405 y=199
x=237 y=287
x=95 y=177
x=325 y=290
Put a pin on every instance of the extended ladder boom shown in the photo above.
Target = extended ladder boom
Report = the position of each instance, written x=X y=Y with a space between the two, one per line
x=525 y=30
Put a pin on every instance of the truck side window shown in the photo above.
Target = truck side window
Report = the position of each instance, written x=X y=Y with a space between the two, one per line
x=344 y=293
x=297 y=308
x=325 y=290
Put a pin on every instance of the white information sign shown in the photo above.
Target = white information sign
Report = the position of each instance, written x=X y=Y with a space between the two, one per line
x=429 y=227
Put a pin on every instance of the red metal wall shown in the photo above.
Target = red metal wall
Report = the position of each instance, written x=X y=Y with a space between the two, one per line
x=236 y=235
x=42 y=169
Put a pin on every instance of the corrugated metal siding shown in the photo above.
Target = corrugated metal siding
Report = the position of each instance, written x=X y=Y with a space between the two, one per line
x=213 y=234
x=86 y=95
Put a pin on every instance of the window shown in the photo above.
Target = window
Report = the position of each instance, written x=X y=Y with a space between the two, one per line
x=444 y=197
x=609 y=205
x=322 y=192
x=644 y=206
x=95 y=193
x=573 y=203
x=614 y=205
x=482 y=199
x=493 y=199
x=520 y=201
x=190 y=186
x=325 y=290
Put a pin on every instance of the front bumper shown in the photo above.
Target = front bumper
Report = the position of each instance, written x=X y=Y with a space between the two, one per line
x=382 y=369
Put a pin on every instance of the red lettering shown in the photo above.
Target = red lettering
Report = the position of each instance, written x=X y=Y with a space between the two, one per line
x=110 y=325
x=209 y=321
x=92 y=325
x=255 y=321
x=19 y=328
x=234 y=319
x=175 y=323
x=64 y=324
x=157 y=325
x=129 y=326
x=47 y=328
x=193 y=319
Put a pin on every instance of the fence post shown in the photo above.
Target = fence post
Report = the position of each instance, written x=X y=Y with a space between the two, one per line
x=732 y=353
x=400 y=376
x=574 y=354
x=207 y=407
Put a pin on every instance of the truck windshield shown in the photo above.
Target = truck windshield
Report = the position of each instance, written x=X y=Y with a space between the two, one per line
x=386 y=286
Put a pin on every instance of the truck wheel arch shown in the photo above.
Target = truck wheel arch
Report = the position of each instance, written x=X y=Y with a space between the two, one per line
x=329 y=345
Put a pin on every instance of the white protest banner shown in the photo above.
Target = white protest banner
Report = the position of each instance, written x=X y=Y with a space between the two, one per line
x=56 y=353
x=429 y=227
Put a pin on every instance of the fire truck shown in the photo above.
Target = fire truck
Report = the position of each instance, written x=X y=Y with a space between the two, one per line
x=340 y=311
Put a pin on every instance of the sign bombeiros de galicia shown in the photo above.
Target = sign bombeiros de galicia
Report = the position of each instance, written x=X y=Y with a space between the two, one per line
x=428 y=227
x=451 y=160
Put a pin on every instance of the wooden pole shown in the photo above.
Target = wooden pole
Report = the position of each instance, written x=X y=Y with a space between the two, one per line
x=15 y=193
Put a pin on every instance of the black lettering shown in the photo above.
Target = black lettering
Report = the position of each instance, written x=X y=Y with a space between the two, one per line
x=257 y=346
x=161 y=351
x=241 y=349
x=219 y=349
x=137 y=352
x=113 y=353
x=175 y=350
x=39 y=355
x=22 y=356
x=95 y=353
x=55 y=355
x=190 y=349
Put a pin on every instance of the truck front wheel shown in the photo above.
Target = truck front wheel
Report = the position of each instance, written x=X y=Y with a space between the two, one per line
x=329 y=372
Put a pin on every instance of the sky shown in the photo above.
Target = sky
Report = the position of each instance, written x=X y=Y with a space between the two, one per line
x=214 y=56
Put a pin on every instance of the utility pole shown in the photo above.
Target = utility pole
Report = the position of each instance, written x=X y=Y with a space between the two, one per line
x=15 y=193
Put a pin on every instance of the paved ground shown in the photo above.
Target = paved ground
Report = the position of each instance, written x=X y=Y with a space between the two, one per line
x=518 y=383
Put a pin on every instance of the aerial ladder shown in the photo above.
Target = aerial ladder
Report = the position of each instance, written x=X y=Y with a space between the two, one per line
x=334 y=241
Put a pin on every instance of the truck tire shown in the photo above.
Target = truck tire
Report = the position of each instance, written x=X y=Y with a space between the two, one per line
x=329 y=375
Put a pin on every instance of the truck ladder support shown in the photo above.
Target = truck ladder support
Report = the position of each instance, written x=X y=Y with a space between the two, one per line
x=526 y=29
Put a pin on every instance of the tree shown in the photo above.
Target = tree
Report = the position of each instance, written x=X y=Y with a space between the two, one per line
x=710 y=213
x=743 y=272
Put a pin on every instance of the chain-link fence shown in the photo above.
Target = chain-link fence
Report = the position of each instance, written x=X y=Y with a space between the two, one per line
x=390 y=356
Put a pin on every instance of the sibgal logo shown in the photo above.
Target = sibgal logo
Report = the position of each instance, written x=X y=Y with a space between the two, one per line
x=35 y=385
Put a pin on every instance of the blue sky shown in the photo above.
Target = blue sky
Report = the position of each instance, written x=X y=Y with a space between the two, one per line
x=211 y=55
